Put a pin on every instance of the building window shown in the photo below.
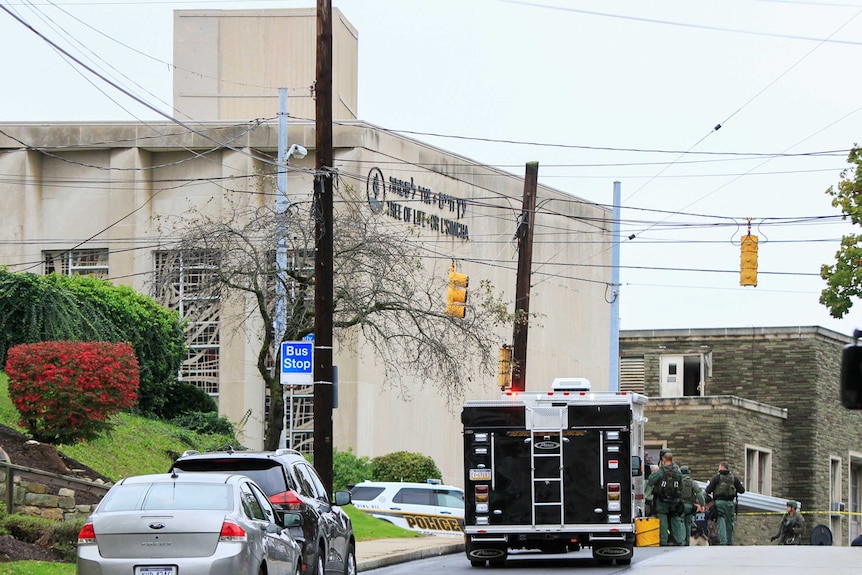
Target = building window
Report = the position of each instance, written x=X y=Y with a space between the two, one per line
x=758 y=470
x=837 y=505
x=185 y=281
x=92 y=262
x=632 y=374
x=652 y=453
x=684 y=374
x=835 y=484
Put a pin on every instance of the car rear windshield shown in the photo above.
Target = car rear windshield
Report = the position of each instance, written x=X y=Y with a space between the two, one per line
x=365 y=493
x=266 y=473
x=168 y=496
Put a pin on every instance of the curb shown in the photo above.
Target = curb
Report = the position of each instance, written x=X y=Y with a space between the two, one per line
x=403 y=557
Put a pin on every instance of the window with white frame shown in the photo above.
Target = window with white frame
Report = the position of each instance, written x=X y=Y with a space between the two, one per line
x=758 y=470
x=184 y=281
x=92 y=262
x=652 y=451
x=835 y=484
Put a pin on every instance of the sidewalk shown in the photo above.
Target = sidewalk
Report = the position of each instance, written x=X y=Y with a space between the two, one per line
x=382 y=552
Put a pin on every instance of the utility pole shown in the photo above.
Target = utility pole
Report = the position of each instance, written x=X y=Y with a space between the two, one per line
x=522 y=281
x=323 y=269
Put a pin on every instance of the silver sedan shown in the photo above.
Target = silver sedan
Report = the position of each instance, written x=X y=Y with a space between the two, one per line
x=189 y=524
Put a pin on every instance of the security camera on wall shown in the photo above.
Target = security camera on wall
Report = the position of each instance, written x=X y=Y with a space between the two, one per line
x=297 y=151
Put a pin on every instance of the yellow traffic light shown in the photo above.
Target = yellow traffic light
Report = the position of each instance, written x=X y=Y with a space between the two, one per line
x=504 y=367
x=456 y=295
x=748 y=261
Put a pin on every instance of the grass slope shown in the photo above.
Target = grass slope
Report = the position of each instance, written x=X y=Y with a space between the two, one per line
x=135 y=446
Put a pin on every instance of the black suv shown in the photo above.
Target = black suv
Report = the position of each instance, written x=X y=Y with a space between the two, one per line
x=291 y=483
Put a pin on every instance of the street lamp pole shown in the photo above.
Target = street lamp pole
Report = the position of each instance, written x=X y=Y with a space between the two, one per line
x=279 y=323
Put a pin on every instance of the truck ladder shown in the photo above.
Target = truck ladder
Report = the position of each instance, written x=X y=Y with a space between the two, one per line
x=546 y=464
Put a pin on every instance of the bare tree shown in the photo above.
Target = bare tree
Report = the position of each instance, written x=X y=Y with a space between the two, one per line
x=386 y=286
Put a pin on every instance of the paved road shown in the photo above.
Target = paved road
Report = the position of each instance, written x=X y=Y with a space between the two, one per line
x=773 y=560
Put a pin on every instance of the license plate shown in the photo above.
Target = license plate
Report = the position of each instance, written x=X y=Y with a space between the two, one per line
x=156 y=571
x=480 y=475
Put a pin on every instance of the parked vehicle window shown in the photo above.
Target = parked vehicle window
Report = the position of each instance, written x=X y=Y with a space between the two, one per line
x=168 y=496
x=360 y=493
x=263 y=500
x=267 y=474
x=124 y=498
x=450 y=499
x=188 y=496
x=310 y=483
x=415 y=496
x=250 y=503
x=318 y=484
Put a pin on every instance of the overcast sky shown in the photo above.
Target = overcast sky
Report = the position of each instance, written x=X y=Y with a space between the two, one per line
x=596 y=92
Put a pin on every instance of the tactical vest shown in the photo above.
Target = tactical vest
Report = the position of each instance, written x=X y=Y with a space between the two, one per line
x=668 y=487
x=726 y=488
x=686 y=492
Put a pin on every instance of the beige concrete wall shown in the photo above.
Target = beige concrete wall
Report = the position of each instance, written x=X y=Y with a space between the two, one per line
x=230 y=63
x=65 y=200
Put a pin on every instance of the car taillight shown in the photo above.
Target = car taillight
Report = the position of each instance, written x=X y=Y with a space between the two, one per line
x=87 y=534
x=231 y=532
x=613 y=491
x=288 y=500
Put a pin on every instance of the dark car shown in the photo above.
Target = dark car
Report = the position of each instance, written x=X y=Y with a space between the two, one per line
x=292 y=484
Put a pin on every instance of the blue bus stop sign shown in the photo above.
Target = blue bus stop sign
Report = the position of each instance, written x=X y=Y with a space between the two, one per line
x=297 y=362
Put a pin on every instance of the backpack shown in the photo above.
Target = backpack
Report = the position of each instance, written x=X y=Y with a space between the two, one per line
x=667 y=489
x=726 y=488
x=687 y=490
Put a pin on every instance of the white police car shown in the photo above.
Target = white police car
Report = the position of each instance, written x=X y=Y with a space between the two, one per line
x=430 y=508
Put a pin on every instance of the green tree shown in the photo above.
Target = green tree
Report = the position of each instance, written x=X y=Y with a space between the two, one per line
x=36 y=308
x=844 y=277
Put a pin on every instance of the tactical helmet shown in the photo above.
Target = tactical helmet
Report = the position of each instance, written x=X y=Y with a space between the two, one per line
x=793 y=504
x=685 y=470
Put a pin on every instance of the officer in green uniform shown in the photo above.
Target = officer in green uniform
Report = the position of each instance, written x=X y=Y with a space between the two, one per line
x=692 y=500
x=666 y=484
x=792 y=526
x=724 y=487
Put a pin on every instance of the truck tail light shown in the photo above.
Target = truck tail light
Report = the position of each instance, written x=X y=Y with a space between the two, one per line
x=614 y=503
x=482 y=494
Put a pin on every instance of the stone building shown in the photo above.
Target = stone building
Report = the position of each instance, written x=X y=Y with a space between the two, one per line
x=764 y=399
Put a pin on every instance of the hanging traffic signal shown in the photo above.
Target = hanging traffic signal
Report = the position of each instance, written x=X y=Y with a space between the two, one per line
x=504 y=368
x=748 y=261
x=456 y=295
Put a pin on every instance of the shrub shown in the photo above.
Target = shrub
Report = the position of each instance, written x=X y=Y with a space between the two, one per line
x=348 y=469
x=62 y=536
x=404 y=466
x=207 y=423
x=55 y=307
x=66 y=391
x=187 y=398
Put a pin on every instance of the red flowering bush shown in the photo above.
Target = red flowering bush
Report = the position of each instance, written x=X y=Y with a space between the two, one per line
x=65 y=391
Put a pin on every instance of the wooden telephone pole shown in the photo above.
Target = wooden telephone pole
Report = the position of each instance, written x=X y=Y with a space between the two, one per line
x=323 y=270
x=524 y=234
